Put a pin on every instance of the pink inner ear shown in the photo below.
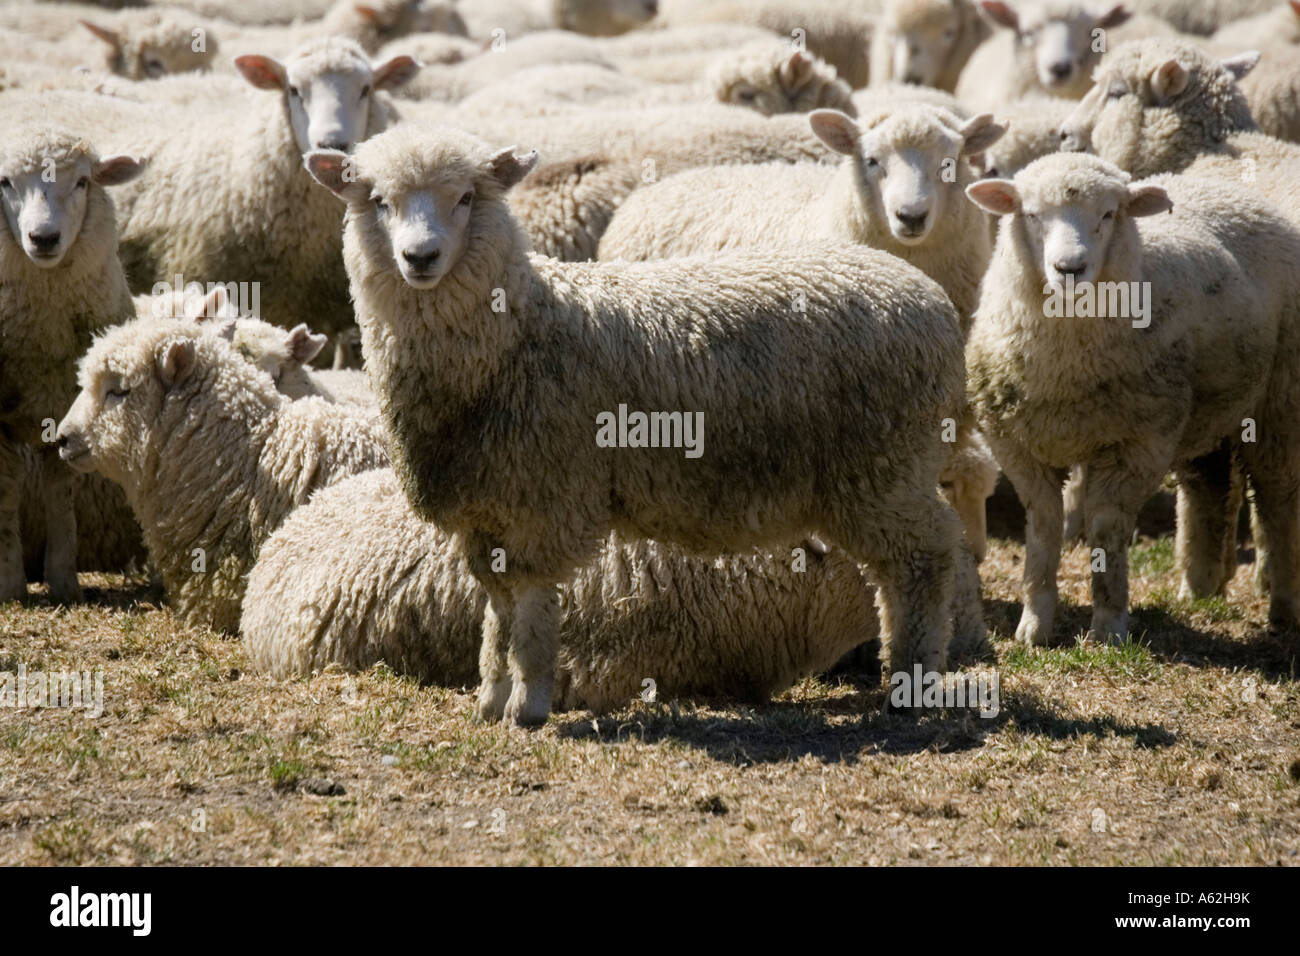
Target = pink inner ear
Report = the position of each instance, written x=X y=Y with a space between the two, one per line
x=997 y=197
x=260 y=71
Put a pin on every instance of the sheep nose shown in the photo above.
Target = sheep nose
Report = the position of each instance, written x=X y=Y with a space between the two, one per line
x=1060 y=70
x=912 y=79
x=1074 y=269
x=912 y=221
x=421 y=261
x=335 y=142
x=44 y=241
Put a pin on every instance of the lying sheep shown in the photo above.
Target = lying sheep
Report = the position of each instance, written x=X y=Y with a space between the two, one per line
x=485 y=359
x=899 y=190
x=211 y=456
x=1280 y=24
x=838 y=31
x=1140 y=390
x=925 y=42
x=1047 y=48
x=354 y=577
x=238 y=206
x=60 y=282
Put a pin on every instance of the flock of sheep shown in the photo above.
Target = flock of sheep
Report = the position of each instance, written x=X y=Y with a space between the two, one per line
x=835 y=234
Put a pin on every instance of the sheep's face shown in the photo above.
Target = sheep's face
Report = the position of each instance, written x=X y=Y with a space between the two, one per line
x=1064 y=40
x=1067 y=213
x=418 y=218
x=328 y=98
x=153 y=51
x=924 y=37
x=793 y=84
x=605 y=17
x=45 y=199
x=281 y=355
x=109 y=426
x=908 y=163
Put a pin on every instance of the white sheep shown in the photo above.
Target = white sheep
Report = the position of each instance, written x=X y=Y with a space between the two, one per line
x=1131 y=348
x=1280 y=24
x=211 y=456
x=490 y=364
x=60 y=282
x=564 y=207
x=899 y=189
x=1271 y=87
x=1198 y=16
x=925 y=42
x=355 y=577
x=490 y=19
x=374 y=23
x=1049 y=48
x=678 y=55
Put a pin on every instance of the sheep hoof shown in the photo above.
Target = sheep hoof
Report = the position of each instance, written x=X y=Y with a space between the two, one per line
x=492 y=698
x=529 y=704
x=1031 y=630
x=13 y=588
x=66 y=592
x=1113 y=628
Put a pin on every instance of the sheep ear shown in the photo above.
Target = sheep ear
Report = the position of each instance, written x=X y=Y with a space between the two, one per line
x=262 y=71
x=208 y=307
x=304 y=344
x=1148 y=200
x=176 y=361
x=507 y=168
x=837 y=130
x=337 y=172
x=227 y=330
x=111 y=37
x=116 y=170
x=394 y=72
x=1168 y=80
x=980 y=132
x=1113 y=17
x=1241 y=64
x=997 y=196
x=1295 y=7
x=797 y=70
x=1003 y=14
x=369 y=14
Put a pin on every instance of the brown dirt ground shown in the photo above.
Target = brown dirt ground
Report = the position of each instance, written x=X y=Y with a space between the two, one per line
x=1183 y=748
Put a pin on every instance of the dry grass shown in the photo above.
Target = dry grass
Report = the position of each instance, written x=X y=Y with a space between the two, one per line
x=1183 y=748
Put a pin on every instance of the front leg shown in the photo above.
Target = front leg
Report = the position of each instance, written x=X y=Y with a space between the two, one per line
x=13 y=580
x=534 y=649
x=1039 y=489
x=493 y=667
x=59 y=489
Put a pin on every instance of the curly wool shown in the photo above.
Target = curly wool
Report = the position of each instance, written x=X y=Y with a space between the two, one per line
x=354 y=577
x=565 y=207
x=1280 y=24
x=221 y=462
x=901 y=19
x=771 y=78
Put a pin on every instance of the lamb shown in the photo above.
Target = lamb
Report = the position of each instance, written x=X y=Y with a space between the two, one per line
x=354 y=577
x=838 y=31
x=925 y=42
x=60 y=282
x=1048 y=48
x=1184 y=366
x=1280 y=24
x=211 y=456
x=434 y=257
x=900 y=190
x=239 y=206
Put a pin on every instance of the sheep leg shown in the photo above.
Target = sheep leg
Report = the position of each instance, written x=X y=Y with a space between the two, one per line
x=913 y=562
x=1277 y=501
x=493 y=668
x=1118 y=484
x=1261 y=580
x=1073 y=495
x=969 y=636
x=13 y=580
x=1206 y=523
x=1039 y=490
x=534 y=646
x=59 y=491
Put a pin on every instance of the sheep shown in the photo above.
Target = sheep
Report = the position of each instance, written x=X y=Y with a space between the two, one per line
x=925 y=42
x=211 y=456
x=281 y=13
x=1280 y=24
x=1197 y=16
x=1170 y=379
x=679 y=55
x=155 y=45
x=238 y=206
x=1049 y=47
x=593 y=17
x=900 y=190
x=838 y=31
x=1033 y=129
x=467 y=389
x=564 y=207
x=891 y=95
x=377 y=22
x=432 y=48
x=354 y=577
x=60 y=281
x=772 y=78
x=1271 y=88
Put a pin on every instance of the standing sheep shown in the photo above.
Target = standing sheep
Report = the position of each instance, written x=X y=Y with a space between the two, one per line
x=60 y=282
x=491 y=364
x=925 y=42
x=1197 y=331
x=211 y=456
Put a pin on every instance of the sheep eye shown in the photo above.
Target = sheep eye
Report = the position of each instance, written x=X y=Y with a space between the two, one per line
x=83 y=182
x=466 y=199
x=120 y=392
x=365 y=91
x=992 y=173
x=5 y=183
x=872 y=162
x=293 y=91
x=1108 y=216
x=1117 y=91
x=380 y=204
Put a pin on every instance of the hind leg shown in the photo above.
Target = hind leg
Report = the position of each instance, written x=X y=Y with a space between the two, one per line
x=13 y=580
x=1072 y=496
x=534 y=646
x=493 y=666
x=1275 y=473
x=1039 y=488
x=1207 y=523
x=59 y=489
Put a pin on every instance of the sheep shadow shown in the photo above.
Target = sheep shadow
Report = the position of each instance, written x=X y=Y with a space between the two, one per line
x=788 y=731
